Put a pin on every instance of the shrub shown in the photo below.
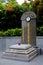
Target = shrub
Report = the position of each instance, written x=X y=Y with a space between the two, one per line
x=40 y=31
x=12 y=32
x=9 y=32
x=17 y=32
x=5 y=33
x=2 y=6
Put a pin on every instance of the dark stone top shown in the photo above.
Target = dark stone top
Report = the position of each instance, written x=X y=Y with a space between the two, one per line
x=30 y=14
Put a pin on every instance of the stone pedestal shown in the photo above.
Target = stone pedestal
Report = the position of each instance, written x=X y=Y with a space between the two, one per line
x=24 y=52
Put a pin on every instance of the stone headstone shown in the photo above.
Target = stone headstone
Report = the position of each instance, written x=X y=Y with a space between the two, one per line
x=29 y=28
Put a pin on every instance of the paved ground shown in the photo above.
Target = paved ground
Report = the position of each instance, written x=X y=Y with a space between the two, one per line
x=36 y=61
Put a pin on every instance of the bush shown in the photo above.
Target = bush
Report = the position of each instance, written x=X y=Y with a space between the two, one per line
x=2 y=6
x=17 y=32
x=12 y=32
x=5 y=33
x=9 y=32
x=40 y=31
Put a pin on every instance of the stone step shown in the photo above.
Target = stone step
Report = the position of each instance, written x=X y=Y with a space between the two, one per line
x=20 y=47
x=20 y=51
x=31 y=51
x=20 y=55
x=23 y=58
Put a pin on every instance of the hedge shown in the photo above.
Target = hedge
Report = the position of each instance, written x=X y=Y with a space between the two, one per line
x=11 y=32
x=18 y=32
x=40 y=31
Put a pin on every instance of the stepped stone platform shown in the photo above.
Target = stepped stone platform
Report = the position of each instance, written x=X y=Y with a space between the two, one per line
x=24 y=52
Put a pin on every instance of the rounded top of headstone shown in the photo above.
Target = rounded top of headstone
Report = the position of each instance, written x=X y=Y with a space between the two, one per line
x=29 y=14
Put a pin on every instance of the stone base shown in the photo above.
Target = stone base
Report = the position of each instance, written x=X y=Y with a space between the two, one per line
x=23 y=52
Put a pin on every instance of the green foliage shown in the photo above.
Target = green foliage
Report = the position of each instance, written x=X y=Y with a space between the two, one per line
x=41 y=0
x=1 y=33
x=9 y=32
x=40 y=31
x=12 y=32
x=13 y=15
x=34 y=5
x=10 y=16
x=25 y=6
x=5 y=33
x=17 y=32
x=40 y=10
x=1 y=14
x=37 y=7
x=3 y=6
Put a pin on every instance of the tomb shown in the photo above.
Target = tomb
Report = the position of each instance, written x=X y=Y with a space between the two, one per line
x=25 y=50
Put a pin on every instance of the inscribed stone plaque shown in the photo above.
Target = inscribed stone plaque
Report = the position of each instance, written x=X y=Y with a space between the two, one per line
x=29 y=28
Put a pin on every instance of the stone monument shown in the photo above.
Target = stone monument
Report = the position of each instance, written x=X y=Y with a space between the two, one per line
x=29 y=28
x=26 y=50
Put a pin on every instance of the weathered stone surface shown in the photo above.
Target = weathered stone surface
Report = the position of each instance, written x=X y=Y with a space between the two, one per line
x=30 y=14
x=23 y=52
x=29 y=28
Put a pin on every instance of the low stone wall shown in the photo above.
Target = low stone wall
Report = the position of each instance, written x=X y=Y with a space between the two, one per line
x=5 y=42
x=12 y=41
x=2 y=43
x=39 y=41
